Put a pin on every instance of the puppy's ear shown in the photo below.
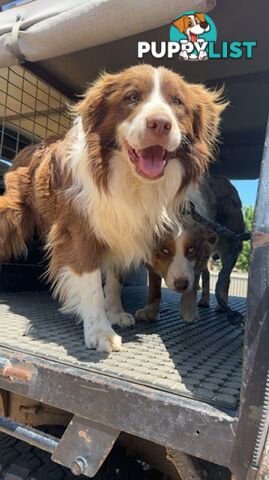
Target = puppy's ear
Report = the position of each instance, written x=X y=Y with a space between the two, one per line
x=181 y=23
x=208 y=107
x=210 y=236
x=93 y=107
x=200 y=17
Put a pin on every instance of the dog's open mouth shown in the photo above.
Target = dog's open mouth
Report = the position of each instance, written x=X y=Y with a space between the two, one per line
x=193 y=37
x=150 y=162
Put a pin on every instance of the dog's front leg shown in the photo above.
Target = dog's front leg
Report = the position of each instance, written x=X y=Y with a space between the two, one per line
x=189 y=310
x=113 y=305
x=205 y=298
x=151 y=311
x=82 y=295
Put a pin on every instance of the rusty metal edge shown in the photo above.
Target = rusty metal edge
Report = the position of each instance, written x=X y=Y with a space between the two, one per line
x=190 y=426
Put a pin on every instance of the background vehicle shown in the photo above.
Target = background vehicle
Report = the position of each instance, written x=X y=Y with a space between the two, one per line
x=176 y=397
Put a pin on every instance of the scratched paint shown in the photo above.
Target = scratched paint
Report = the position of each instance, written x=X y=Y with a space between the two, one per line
x=84 y=435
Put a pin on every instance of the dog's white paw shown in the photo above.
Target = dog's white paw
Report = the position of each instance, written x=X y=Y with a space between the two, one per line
x=102 y=340
x=188 y=315
x=189 y=309
x=202 y=55
x=123 y=319
x=147 y=314
x=184 y=55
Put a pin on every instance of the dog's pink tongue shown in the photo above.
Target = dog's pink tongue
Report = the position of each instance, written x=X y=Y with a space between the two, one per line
x=193 y=37
x=151 y=161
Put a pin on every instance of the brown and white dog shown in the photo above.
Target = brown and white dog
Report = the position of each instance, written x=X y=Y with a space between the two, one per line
x=99 y=195
x=179 y=258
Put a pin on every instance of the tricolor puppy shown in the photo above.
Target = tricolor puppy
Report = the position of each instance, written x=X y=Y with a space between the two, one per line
x=192 y=26
x=99 y=195
x=179 y=258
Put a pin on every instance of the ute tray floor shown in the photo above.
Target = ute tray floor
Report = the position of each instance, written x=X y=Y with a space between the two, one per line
x=201 y=360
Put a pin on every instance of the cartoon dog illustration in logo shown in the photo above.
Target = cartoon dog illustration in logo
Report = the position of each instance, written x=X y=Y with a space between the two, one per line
x=192 y=26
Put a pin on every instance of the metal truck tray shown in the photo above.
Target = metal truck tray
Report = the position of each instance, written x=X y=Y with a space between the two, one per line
x=199 y=360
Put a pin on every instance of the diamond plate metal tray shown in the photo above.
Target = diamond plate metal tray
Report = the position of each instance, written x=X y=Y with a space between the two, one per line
x=201 y=360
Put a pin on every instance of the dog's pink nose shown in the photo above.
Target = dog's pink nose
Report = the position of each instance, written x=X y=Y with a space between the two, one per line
x=159 y=125
x=181 y=284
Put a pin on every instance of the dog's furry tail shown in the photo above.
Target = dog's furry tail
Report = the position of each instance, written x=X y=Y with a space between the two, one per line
x=15 y=230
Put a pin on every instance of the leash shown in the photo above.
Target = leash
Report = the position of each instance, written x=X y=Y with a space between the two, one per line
x=233 y=316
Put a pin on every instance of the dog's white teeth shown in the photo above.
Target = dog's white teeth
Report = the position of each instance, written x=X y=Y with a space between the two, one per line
x=165 y=157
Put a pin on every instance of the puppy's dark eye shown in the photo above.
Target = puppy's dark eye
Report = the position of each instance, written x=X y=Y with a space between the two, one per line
x=177 y=101
x=133 y=97
x=165 y=251
x=190 y=250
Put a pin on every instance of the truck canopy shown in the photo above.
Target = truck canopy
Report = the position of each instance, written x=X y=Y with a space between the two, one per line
x=50 y=29
x=69 y=42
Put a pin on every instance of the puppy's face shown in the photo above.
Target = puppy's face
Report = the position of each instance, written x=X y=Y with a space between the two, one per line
x=192 y=25
x=179 y=257
x=195 y=26
x=151 y=115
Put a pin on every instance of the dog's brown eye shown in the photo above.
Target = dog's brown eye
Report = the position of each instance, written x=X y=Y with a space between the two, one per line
x=190 y=250
x=165 y=251
x=133 y=97
x=177 y=101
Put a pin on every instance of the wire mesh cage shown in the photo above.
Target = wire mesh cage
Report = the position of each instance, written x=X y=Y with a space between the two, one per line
x=30 y=110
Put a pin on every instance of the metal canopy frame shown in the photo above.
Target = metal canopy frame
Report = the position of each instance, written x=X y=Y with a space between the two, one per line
x=254 y=402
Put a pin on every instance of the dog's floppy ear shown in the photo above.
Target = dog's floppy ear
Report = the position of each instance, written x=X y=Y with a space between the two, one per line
x=208 y=107
x=93 y=107
x=210 y=236
x=181 y=23
x=202 y=131
x=207 y=238
x=201 y=17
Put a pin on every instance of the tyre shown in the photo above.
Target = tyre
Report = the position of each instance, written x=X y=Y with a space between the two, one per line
x=21 y=461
